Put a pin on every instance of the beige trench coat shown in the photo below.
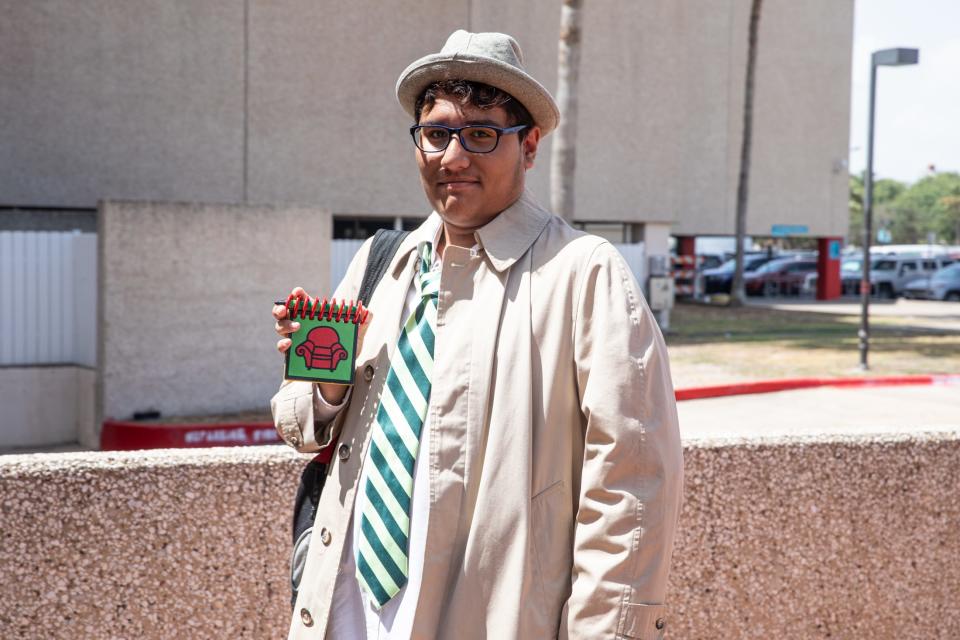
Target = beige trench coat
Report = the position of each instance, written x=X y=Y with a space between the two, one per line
x=555 y=459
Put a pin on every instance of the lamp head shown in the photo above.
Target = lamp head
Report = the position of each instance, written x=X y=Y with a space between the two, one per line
x=895 y=57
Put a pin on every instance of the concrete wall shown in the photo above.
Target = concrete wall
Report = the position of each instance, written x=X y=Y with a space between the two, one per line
x=828 y=537
x=114 y=99
x=185 y=298
x=292 y=102
x=43 y=406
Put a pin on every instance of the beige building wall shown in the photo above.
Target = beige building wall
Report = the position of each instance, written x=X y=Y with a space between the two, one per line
x=292 y=102
x=186 y=293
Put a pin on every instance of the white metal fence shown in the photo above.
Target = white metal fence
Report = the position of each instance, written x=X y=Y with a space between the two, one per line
x=48 y=298
x=341 y=252
x=635 y=256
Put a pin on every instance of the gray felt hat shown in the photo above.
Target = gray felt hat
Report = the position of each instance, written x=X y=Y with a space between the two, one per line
x=490 y=58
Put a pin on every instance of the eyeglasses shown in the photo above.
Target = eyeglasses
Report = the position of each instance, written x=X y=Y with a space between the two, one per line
x=432 y=138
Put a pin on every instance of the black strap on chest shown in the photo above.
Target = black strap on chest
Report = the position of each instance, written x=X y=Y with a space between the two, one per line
x=382 y=249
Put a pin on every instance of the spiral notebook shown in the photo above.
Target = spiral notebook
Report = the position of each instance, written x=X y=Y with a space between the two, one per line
x=324 y=347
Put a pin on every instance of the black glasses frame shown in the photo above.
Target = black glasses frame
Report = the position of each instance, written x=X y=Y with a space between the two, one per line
x=455 y=131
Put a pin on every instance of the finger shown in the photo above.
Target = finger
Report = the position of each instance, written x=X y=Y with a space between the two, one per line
x=279 y=311
x=363 y=327
x=284 y=327
x=283 y=345
x=298 y=291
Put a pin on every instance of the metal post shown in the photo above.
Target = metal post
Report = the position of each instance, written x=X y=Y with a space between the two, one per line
x=864 y=333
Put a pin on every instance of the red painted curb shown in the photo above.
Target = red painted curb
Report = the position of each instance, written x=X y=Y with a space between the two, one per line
x=119 y=435
x=789 y=384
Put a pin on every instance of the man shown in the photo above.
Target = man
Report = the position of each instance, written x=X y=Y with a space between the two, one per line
x=508 y=463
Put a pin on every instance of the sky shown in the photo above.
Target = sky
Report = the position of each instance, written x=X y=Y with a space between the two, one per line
x=918 y=107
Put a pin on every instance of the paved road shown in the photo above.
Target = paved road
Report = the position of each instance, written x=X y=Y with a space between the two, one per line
x=823 y=410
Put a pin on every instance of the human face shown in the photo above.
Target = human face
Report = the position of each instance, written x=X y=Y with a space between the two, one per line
x=469 y=190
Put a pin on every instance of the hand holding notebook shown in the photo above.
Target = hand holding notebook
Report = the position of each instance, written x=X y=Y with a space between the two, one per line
x=320 y=339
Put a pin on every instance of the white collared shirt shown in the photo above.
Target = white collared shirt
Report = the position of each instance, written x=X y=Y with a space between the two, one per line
x=353 y=615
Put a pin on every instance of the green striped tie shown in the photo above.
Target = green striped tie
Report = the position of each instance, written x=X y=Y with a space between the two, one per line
x=385 y=517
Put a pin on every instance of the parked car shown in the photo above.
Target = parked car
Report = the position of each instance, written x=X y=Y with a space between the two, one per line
x=889 y=274
x=720 y=279
x=945 y=284
x=710 y=260
x=917 y=289
x=779 y=277
x=851 y=271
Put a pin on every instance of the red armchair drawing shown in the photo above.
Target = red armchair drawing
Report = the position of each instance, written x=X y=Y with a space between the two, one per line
x=322 y=349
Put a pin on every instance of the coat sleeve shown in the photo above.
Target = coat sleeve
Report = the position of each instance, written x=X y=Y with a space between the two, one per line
x=632 y=472
x=297 y=409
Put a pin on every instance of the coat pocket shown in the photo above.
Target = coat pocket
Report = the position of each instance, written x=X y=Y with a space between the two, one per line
x=552 y=534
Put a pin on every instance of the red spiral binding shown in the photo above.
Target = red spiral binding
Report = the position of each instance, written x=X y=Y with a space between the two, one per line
x=314 y=308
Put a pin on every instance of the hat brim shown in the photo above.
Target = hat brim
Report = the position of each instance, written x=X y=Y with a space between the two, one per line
x=441 y=66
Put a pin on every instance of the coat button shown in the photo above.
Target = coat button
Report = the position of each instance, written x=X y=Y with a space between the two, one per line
x=344 y=452
x=306 y=618
x=660 y=624
x=325 y=536
x=292 y=437
x=368 y=372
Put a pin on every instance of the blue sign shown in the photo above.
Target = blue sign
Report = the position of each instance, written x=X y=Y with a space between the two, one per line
x=834 y=250
x=782 y=230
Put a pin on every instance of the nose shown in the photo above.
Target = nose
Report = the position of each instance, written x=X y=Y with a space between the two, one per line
x=455 y=157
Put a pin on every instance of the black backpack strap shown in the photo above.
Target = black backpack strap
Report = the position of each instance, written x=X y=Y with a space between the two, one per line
x=384 y=247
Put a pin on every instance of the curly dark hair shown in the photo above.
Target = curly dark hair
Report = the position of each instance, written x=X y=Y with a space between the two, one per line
x=477 y=94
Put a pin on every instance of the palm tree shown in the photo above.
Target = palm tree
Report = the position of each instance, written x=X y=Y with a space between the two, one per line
x=738 y=297
x=563 y=161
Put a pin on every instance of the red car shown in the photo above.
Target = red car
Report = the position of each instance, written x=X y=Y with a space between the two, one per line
x=779 y=277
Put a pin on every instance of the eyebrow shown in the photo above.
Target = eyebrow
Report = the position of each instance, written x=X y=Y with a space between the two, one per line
x=482 y=122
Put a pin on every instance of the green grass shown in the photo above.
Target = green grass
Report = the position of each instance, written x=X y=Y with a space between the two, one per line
x=714 y=345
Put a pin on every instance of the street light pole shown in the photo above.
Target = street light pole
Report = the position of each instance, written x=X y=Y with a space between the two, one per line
x=885 y=58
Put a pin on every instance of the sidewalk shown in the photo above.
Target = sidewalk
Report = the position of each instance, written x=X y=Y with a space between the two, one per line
x=825 y=410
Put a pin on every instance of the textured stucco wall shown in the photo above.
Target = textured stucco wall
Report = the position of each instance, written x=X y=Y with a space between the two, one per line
x=791 y=539
x=185 y=298
x=290 y=101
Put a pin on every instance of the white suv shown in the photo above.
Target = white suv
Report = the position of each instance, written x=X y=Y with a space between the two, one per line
x=890 y=274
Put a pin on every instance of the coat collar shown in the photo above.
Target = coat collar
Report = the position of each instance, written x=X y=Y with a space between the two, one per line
x=510 y=234
x=504 y=239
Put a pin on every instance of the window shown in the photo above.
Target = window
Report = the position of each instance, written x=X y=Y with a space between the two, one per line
x=908 y=267
x=361 y=228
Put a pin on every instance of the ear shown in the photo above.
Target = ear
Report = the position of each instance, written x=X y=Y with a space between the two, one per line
x=529 y=147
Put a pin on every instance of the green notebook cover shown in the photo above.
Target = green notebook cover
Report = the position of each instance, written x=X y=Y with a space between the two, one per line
x=324 y=348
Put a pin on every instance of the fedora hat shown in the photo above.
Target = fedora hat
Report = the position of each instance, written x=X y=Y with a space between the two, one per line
x=491 y=58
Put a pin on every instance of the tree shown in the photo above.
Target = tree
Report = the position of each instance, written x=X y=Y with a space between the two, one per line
x=925 y=207
x=855 y=207
x=738 y=296
x=951 y=219
x=885 y=191
x=563 y=161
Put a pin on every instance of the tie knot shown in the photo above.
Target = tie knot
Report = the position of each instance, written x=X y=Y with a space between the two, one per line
x=428 y=280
